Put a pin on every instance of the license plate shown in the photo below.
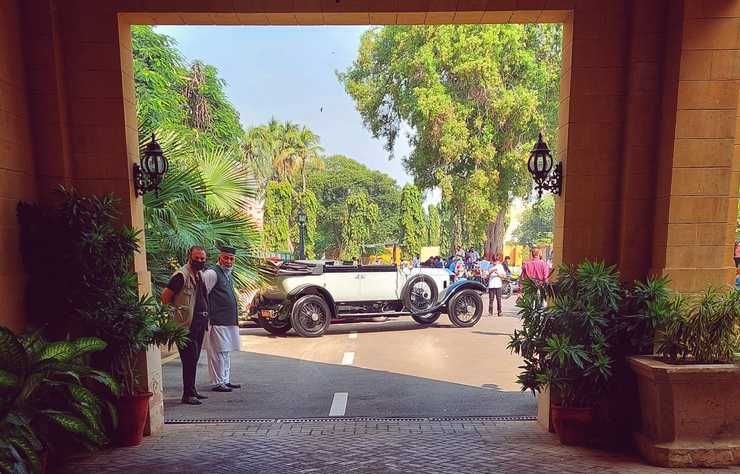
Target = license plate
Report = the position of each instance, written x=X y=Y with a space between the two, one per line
x=266 y=313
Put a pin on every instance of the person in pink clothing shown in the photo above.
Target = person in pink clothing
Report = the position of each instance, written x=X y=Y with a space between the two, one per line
x=535 y=269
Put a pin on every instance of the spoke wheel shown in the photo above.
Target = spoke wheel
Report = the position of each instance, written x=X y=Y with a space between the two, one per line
x=420 y=293
x=274 y=325
x=465 y=308
x=310 y=316
x=425 y=319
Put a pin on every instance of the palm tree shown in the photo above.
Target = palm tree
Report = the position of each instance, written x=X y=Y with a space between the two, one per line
x=200 y=202
x=308 y=152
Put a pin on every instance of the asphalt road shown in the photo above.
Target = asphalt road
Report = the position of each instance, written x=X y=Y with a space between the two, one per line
x=381 y=369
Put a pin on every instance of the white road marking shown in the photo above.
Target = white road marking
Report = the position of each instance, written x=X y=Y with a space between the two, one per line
x=348 y=359
x=339 y=404
x=353 y=334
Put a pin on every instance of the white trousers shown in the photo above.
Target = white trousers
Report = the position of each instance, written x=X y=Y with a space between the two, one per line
x=219 y=366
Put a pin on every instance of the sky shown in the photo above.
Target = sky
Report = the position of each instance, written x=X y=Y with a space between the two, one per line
x=289 y=72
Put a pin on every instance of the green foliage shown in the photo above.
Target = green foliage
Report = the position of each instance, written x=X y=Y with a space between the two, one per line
x=564 y=345
x=704 y=327
x=46 y=400
x=333 y=184
x=537 y=223
x=172 y=95
x=310 y=205
x=475 y=97
x=200 y=202
x=278 y=211
x=413 y=221
x=359 y=215
x=434 y=231
x=97 y=294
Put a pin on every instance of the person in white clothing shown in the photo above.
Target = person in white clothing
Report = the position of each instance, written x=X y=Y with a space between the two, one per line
x=223 y=316
x=495 y=282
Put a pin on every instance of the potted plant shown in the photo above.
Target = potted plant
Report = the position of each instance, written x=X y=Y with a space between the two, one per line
x=78 y=242
x=50 y=399
x=689 y=390
x=564 y=343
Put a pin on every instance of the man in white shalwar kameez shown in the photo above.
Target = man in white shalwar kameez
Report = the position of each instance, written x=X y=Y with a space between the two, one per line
x=223 y=316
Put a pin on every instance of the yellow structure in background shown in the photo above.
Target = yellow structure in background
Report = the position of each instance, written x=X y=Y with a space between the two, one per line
x=427 y=252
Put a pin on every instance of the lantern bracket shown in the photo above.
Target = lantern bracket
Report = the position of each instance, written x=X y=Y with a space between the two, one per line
x=553 y=182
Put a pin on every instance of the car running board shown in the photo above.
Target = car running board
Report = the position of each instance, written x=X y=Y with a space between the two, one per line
x=373 y=315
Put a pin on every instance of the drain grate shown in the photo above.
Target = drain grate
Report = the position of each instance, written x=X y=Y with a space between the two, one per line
x=351 y=419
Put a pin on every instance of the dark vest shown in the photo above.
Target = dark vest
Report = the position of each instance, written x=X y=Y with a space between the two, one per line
x=222 y=305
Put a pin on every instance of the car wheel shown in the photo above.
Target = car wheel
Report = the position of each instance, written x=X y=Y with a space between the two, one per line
x=465 y=308
x=506 y=290
x=425 y=319
x=420 y=293
x=274 y=326
x=310 y=316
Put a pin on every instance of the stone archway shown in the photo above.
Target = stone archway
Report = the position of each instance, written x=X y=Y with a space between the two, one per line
x=648 y=113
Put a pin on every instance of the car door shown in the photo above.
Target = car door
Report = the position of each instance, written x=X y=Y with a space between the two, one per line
x=378 y=282
x=343 y=283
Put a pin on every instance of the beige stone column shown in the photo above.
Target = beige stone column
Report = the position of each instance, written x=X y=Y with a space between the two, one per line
x=697 y=185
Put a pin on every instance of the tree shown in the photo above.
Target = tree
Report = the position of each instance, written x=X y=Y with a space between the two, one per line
x=278 y=211
x=433 y=227
x=359 y=215
x=333 y=184
x=475 y=97
x=413 y=225
x=536 y=224
x=308 y=202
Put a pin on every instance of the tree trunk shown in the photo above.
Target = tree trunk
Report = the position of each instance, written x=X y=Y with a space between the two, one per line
x=495 y=234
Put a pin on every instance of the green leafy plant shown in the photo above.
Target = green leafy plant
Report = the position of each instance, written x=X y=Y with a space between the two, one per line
x=49 y=394
x=564 y=344
x=704 y=328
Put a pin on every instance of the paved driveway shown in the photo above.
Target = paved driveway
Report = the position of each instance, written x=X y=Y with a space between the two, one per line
x=390 y=369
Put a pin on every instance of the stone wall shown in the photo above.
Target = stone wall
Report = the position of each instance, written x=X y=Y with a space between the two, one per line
x=16 y=163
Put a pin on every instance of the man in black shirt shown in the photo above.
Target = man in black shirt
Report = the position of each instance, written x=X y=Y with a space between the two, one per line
x=188 y=293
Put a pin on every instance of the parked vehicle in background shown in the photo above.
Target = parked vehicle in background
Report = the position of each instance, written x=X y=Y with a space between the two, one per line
x=308 y=295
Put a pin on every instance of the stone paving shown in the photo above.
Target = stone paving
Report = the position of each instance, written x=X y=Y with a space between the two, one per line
x=362 y=446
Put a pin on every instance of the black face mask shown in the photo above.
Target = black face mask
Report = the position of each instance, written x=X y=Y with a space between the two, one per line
x=197 y=266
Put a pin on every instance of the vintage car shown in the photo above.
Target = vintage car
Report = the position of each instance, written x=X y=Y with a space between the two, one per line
x=308 y=295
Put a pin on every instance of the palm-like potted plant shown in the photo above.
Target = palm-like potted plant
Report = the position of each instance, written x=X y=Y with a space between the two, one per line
x=696 y=341
x=564 y=343
x=50 y=399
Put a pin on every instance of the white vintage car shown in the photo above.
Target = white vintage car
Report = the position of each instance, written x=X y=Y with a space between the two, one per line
x=308 y=295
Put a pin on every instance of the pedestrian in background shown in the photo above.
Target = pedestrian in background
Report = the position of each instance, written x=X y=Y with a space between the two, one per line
x=495 y=283
x=189 y=296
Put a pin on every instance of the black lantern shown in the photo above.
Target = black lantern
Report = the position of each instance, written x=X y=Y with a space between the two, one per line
x=541 y=165
x=301 y=235
x=153 y=168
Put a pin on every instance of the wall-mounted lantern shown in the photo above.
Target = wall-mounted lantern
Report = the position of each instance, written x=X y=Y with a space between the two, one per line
x=541 y=167
x=153 y=168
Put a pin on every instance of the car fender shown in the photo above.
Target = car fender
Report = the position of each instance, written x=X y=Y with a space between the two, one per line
x=313 y=289
x=460 y=285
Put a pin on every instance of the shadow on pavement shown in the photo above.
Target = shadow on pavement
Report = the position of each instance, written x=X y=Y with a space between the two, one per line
x=282 y=387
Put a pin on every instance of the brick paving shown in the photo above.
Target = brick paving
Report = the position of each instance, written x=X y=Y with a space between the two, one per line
x=361 y=446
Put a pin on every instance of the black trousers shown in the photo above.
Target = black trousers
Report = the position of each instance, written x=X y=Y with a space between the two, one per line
x=494 y=293
x=190 y=354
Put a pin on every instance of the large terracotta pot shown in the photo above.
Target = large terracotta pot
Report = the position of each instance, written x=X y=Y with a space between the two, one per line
x=132 y=413
x=690 y=414
x=572 y=425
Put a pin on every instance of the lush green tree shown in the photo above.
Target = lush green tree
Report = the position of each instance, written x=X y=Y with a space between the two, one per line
x=475 y=97
x=200 y=202
x=334 y=183
x=536 y=224
x=203 y=195
x=278 y=212
x=308 y=202
x=433 y=226
x=359 y=215
x=413 y=225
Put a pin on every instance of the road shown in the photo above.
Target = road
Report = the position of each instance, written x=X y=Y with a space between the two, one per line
x=382 y=369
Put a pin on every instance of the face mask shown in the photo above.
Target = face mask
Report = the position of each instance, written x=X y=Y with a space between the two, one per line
x=197 y=266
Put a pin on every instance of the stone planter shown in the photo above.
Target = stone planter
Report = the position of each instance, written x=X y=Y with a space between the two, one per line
x=690 y=414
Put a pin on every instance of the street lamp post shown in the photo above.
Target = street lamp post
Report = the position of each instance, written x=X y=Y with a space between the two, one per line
x=301 y=235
